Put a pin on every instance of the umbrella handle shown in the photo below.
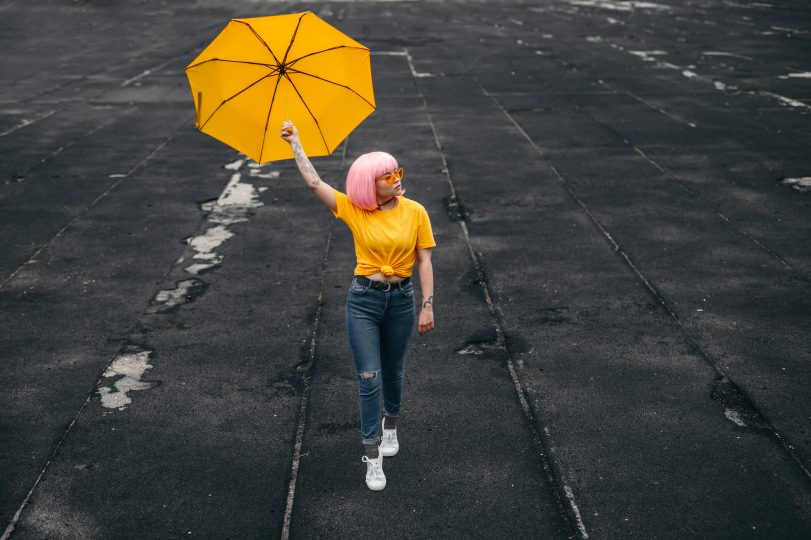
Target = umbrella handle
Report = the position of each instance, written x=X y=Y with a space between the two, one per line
x=284 y=97
x=287 y=131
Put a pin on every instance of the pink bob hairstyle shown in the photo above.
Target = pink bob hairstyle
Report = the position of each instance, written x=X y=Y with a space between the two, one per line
x=360 y=181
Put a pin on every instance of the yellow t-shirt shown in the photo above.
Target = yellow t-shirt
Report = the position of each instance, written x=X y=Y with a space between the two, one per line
x=386 y=241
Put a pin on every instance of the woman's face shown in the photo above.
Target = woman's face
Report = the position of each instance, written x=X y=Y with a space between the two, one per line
x=386 y=190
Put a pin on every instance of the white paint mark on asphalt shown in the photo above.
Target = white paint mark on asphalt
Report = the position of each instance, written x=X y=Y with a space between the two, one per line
x=570 y=495
x=407 y=54
x=800 y=184
x=130 y=367
x=259 y=174
x=802 y=75
x=204 y=245
x=196 y=268
x=734 y=417
x=234 y=205
x=548 y=36
x=785 y=100
x=619 y=5
x=479 y=348
x=414 y=72
x=238 y=194
x=26 y=122
x=235 y=202
x=612 y=20
x=151 y=70
x=594 y=39
x=789 y=30
x=722 y=53
x=211 y=239
x=648 y=57
x=170 y=298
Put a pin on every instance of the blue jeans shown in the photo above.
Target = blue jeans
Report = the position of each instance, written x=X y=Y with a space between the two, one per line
x=379 y=325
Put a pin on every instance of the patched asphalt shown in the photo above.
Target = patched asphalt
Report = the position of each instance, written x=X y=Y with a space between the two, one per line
x=622 y=279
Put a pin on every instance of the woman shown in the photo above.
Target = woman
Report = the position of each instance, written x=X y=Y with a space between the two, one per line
x=390 y=233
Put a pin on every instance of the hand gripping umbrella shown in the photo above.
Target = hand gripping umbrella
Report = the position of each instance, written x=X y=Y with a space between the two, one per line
x=261 y=71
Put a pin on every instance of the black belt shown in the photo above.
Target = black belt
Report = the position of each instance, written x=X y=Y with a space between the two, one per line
x=381 y=285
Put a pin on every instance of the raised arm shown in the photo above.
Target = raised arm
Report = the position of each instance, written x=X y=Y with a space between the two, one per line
x=308 y=172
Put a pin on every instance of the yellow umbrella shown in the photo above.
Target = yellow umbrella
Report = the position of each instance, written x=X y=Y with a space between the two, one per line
x=261 y=71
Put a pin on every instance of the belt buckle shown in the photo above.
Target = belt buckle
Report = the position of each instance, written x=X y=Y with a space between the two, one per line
x=388 y=286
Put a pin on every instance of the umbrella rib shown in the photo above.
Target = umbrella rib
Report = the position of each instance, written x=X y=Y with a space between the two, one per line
x=260 y=39
x=230 y=61
x=309 y=111
x=267 y=120
x=292 y=39
x=291 y=62
x=295 y=71
x=235 y=95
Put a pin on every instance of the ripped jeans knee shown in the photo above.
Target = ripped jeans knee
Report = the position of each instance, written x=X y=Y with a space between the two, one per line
x=368 y=374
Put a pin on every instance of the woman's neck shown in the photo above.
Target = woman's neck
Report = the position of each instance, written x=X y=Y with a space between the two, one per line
x=381 y=205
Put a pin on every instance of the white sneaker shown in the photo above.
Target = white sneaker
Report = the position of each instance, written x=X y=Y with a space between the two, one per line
x=375 y=478
x=389 y=445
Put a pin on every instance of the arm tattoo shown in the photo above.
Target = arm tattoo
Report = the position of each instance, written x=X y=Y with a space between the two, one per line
x=307 y=169
x=430 y=300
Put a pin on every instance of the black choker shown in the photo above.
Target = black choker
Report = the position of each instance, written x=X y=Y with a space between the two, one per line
x=387 y=202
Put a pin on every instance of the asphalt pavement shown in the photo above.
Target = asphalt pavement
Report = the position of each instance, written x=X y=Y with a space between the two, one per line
x=619 y=193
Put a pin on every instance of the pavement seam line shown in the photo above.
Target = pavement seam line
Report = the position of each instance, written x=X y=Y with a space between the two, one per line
x=659 y=297
x=306 y=378
x=302 y=416
x=25 y=123
x=690 y=75
x=95 y=201
x=12 y=524
x=704 y=201
x=18 y=514
x=650 y=105
x=639 y=151
x=105 y=69
x=65 y=146
x=570 y=511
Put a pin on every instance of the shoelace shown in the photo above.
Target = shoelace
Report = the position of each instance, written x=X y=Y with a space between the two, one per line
x=377 y=469
x=391 y=436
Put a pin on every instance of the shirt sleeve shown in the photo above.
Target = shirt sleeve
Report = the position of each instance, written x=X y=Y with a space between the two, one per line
x=341 y=205
x=425 y=236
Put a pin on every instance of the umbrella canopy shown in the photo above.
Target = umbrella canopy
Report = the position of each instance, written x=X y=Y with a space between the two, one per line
x=261 y=71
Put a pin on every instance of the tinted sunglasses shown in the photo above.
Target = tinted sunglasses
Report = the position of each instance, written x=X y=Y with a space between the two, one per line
x=393 y=176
